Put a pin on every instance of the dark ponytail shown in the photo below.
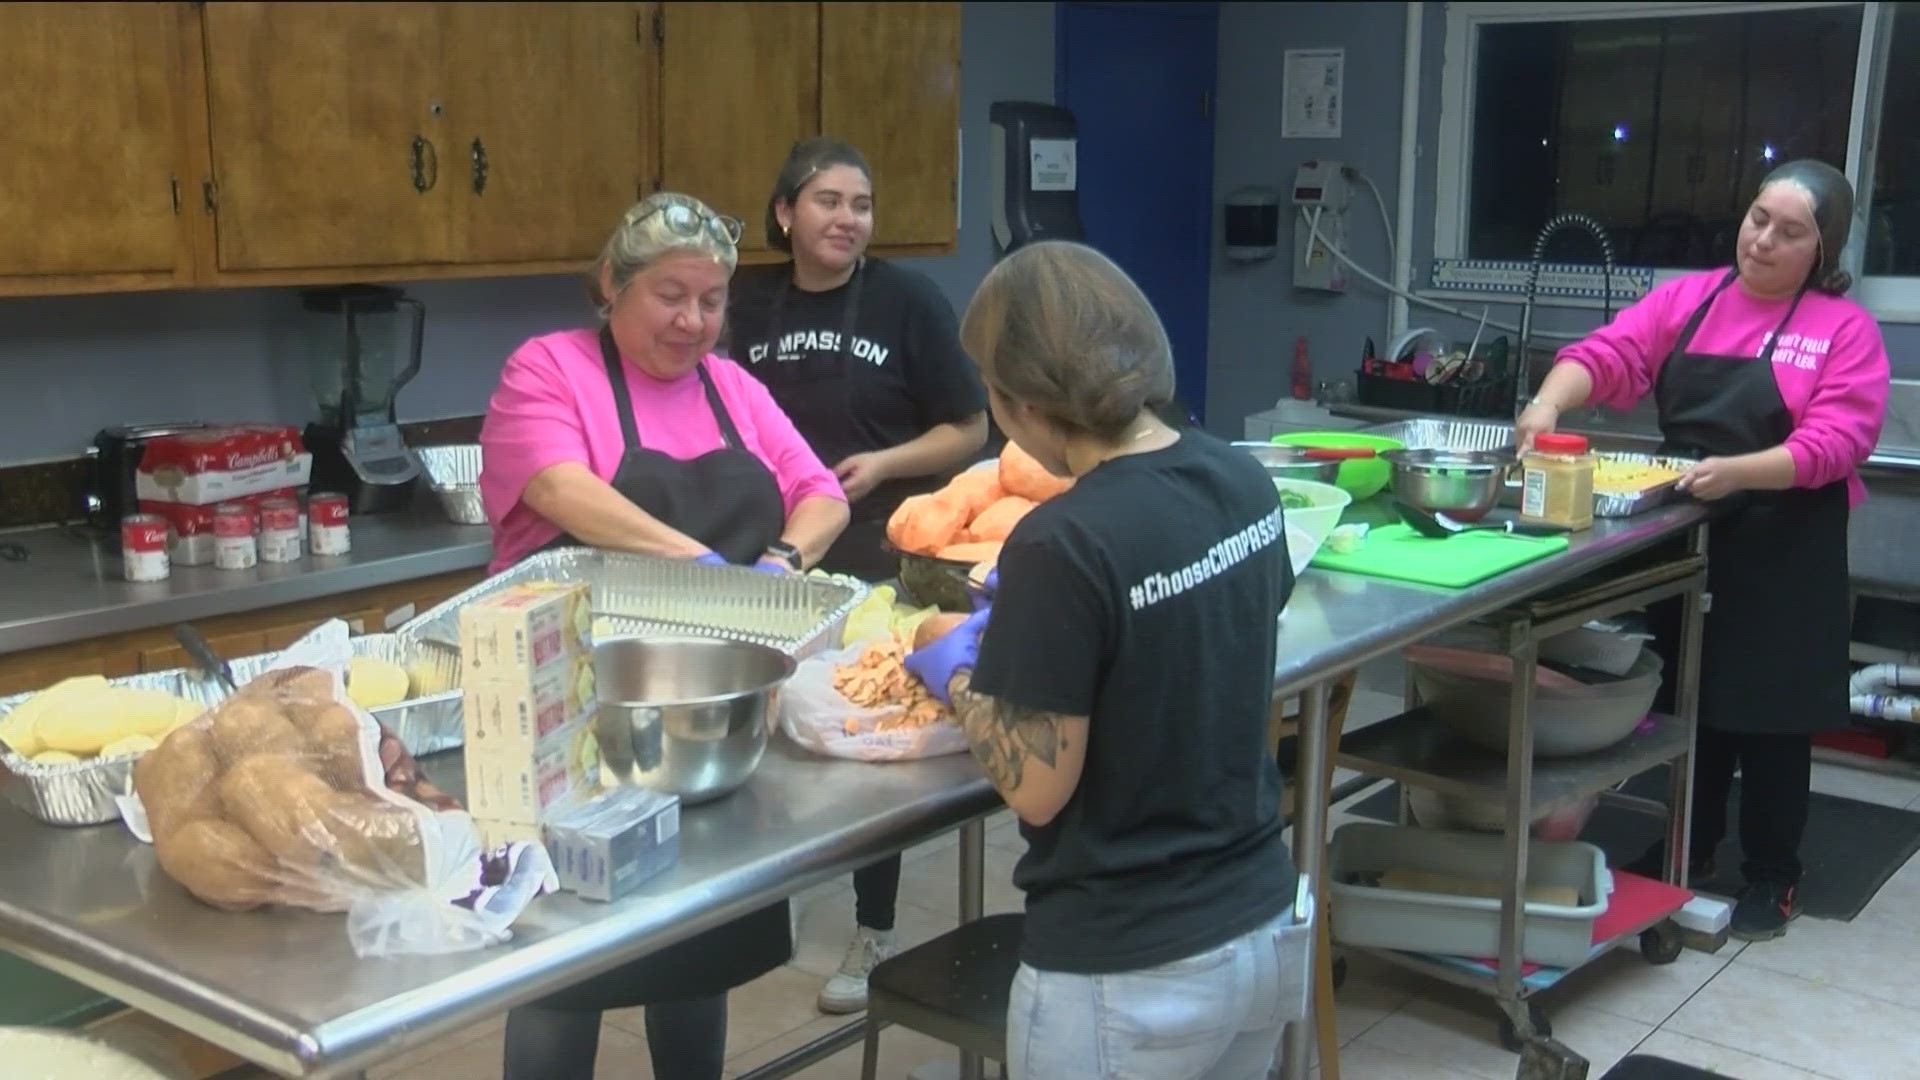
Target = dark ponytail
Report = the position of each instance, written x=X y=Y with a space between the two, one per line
x=1834 y=282
x=807 y=159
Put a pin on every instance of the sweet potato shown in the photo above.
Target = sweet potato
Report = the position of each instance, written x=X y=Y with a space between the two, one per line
x=970 y=553
x=935 y=627
x=1021 y=475
x=926 y=523
x=996 y=522
x=975 y=489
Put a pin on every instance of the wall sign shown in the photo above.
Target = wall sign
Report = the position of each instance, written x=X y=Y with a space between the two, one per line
x=1052 y=166
x=1315 y=85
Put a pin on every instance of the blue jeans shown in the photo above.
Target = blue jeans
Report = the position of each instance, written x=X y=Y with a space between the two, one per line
x=1218 y=1015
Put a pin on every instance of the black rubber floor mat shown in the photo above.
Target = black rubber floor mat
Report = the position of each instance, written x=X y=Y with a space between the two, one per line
x=1849 y=851
x=1644 y=1067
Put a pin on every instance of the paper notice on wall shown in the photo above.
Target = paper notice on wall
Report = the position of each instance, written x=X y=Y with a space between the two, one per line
x=1314 y=93
x=1052 y=164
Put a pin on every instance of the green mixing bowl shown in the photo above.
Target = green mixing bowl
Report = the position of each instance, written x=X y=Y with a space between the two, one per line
x=1362 y=478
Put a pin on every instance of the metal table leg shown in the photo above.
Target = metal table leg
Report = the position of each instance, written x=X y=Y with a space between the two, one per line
x=973 y=903
x=1309 y=848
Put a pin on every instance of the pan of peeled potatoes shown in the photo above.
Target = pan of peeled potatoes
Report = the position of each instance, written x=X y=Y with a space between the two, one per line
x=950 y=537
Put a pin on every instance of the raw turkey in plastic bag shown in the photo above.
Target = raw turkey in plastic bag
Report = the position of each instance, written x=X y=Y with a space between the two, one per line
x=817 y=713
x=287 y=793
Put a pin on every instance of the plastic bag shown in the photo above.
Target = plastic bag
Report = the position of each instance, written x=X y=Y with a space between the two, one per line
x=822 y=720
x=287 y=793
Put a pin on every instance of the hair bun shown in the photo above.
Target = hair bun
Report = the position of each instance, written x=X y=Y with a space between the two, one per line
x=1834 y=282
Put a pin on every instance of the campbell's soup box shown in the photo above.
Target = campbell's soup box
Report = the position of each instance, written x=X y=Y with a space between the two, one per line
x=207 y=466
x=510 y=636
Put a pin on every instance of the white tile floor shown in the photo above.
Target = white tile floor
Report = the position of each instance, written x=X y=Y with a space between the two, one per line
x=1833 y=1000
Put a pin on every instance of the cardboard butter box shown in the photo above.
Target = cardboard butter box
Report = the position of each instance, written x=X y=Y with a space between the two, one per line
x=515 y=633
x=512 y=717
x=610 y=845
x=522 y=788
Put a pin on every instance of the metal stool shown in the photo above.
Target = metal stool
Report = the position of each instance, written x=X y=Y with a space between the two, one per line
x=954 y=988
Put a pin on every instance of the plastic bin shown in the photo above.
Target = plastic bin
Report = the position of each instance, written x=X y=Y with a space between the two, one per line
x=1372 y=917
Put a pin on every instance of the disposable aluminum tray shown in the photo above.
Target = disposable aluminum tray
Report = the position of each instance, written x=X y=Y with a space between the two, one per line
x=453 y=474
x=645 y=595
x=1629 y=503
x=1430 y=433
x=424 y=725
x=80 y=794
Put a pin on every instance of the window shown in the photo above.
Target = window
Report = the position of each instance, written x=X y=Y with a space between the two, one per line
x=1659 y=120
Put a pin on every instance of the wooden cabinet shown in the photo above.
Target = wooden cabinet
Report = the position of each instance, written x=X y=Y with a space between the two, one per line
x=740 y=84
x=93 y=174
x=156 y=145
x=890 y=84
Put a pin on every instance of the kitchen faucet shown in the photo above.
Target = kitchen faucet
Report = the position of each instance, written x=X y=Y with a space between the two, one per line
x=1523 y=374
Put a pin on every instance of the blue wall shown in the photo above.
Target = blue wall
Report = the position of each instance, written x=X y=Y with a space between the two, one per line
x=71 y=365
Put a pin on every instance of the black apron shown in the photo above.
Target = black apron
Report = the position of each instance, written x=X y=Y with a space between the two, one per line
x=818 y=394
x=729 y=501
x=1774 y=656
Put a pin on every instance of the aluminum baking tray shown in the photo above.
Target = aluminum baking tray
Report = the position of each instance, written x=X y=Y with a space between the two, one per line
x=1629 y=503
x=424 y=725
x=642 y=594
x=80 y=794
x=1433 y=433
x=453 y=475
x=1425 y=433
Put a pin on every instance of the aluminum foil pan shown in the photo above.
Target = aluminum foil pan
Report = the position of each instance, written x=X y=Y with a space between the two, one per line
x=427 y=724
x=1428 y=433
x=80 y=794
x=798 y=615
x=453 y=475
x=1629 y=503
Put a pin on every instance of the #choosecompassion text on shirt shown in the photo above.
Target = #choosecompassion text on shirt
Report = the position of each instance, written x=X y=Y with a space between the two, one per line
x=1221 y=557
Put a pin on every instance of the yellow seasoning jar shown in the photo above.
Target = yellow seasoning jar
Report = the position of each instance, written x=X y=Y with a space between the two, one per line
x=1556 y=482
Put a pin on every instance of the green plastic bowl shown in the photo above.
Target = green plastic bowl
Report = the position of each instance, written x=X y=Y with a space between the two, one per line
x=1362 y=478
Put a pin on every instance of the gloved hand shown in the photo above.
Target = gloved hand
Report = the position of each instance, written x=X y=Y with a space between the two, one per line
x=982 y=595
x=712 y=558
x=957 y=650
x=773 y=566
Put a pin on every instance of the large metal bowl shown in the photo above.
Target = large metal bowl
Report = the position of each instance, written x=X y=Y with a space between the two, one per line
x=686 y=716
x=1291 y=462
x=1463 y=484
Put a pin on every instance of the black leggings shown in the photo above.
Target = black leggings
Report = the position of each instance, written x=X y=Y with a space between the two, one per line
x=876 y=891
x=686 y=1039
x=1776 y=786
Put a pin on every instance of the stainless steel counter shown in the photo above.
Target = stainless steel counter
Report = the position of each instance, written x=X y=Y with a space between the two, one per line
x=284 y=990
x=71 y=588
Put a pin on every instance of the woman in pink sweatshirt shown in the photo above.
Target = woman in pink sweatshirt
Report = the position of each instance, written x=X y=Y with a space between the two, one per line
x=1777 y=383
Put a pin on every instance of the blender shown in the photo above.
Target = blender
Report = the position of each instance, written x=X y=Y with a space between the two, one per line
x=365 y=346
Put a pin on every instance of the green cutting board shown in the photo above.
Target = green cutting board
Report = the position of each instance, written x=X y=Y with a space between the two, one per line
x=1398 y=552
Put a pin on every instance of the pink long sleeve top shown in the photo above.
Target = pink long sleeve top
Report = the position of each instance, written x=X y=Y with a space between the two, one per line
x=1830 y=365
x=554 y=405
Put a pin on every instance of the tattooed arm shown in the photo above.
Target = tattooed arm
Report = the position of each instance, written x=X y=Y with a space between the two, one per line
x=1034 y=758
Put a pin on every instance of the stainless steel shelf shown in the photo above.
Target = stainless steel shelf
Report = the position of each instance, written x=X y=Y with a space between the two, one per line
x=1417 y=750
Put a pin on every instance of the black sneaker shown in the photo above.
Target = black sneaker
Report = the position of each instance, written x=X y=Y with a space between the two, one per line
x=1763 y=910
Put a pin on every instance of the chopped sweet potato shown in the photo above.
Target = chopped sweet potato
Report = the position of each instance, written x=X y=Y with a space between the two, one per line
x=976 y=489
x=878 y=679
x=996 y=522
x=935 y=627
x=924 y=524
x=1021 y=475
x=987 y=551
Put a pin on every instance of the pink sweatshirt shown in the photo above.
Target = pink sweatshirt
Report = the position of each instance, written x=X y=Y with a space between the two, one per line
x=1830 y=365
x=554 y=405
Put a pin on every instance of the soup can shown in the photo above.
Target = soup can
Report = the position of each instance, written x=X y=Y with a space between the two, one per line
x=327 y=531
x=234 y=547
x=280 y=540
x=143 y=547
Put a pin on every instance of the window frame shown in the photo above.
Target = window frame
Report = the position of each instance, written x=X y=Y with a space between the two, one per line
x=1891 y=298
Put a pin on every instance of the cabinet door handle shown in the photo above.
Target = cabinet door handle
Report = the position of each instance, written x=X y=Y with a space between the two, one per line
x=479 y=151
x=425 y=164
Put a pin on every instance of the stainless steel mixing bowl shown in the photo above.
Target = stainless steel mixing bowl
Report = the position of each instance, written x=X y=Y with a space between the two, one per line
x=1291 y=462
x=687 y=716
x=1464 y=484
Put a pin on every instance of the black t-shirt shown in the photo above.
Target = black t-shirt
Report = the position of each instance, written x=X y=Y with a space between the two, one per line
x=867 y=366
x=1147 y=599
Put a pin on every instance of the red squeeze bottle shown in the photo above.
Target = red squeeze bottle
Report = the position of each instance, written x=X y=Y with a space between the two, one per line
x=1302 y=371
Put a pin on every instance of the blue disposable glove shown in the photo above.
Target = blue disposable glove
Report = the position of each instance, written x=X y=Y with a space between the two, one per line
x=982 y=595
x=957 y=650
x=712 y=558
x=773 y=566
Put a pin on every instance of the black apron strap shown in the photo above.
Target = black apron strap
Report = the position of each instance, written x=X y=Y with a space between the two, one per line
x=622 y=397
x=848 y=315
x=1700 y=314
x=728 y=433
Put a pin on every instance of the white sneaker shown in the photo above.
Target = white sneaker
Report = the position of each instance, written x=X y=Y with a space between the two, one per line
x=846 y=992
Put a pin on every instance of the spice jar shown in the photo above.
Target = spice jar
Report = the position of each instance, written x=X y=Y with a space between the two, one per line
x=1556 y=482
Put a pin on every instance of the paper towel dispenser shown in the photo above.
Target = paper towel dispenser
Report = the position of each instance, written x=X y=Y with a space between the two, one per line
x=1034 y=152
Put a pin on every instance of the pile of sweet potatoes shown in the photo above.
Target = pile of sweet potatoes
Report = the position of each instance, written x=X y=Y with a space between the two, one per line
x=970 y=518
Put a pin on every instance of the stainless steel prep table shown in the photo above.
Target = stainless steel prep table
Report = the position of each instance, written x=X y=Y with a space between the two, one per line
x=284 y=990
x=71 y=588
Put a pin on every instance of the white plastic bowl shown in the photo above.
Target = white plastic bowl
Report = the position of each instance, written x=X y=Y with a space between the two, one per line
x=1309 y=526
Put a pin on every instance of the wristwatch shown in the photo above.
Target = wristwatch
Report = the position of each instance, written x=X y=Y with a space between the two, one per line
x=786 y=553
